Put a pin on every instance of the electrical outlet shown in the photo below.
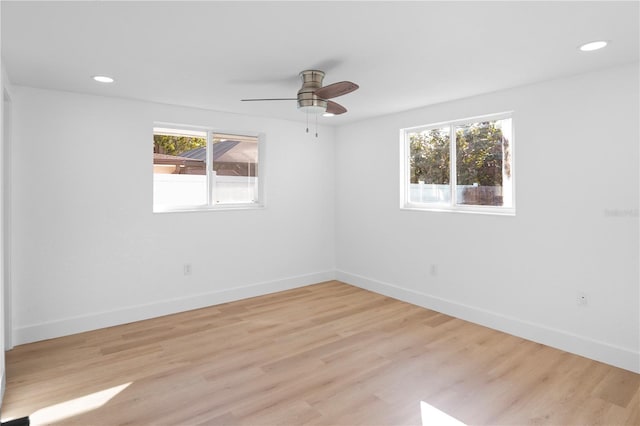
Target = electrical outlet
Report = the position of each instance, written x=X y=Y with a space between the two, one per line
x=186 y=268
x=581 y=298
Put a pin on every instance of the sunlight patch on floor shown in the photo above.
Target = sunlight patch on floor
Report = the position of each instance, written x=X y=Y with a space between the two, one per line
x=74 y=407
x=431 y=416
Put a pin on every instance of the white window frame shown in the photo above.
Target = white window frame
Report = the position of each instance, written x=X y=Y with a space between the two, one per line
x=211 y=204
x=405 y=170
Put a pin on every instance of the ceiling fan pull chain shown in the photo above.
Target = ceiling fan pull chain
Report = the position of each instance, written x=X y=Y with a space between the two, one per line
x=307 y=121
x=316 y=125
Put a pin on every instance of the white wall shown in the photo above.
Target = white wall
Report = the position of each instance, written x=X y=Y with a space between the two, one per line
x=578 y=136
x=6 y=341
x=7 y=141
x=88 y=251
x=2 y=229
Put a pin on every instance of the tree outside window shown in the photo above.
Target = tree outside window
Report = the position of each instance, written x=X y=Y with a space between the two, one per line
x=482 y=167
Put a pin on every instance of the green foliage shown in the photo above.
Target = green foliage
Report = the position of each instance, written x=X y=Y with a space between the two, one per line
x=176 y=145
x=479 y=154
x=429 y=156
x=480 y=149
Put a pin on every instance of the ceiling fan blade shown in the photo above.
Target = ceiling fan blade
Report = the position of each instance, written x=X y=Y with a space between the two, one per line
x=269 y=99
x=335 y=108
x=336 y=89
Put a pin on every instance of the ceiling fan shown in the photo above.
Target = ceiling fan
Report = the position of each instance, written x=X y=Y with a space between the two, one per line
x=313 y=98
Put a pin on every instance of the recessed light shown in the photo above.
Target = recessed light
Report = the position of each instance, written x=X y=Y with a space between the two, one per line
x=328 y=114
x=103 y=79
x=593 y=45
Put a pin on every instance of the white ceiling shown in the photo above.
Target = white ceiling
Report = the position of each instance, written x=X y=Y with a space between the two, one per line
x=402 y=54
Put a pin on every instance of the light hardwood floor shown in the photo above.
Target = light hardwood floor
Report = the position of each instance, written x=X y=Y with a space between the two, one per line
x=327 y=354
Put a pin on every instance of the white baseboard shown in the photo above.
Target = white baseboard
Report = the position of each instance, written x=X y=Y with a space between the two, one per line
x=67 y=326
x=579 y=345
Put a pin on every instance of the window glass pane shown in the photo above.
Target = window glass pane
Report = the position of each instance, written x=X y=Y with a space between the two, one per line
x=483 y=163
x=234 y=166
x=429 y=165
x=179 y=169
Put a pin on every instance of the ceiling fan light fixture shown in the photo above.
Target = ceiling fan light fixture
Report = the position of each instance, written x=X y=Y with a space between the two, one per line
x=313 y=109
x=328 y=114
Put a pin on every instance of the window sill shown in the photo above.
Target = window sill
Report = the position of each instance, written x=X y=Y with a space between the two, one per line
x=216 y=208
x=485 y=210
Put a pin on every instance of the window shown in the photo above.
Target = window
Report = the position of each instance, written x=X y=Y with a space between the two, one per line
x=204 y=170
x=463 y=165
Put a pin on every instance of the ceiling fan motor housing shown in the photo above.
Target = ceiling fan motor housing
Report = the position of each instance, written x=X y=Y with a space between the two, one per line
x=307 y=99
